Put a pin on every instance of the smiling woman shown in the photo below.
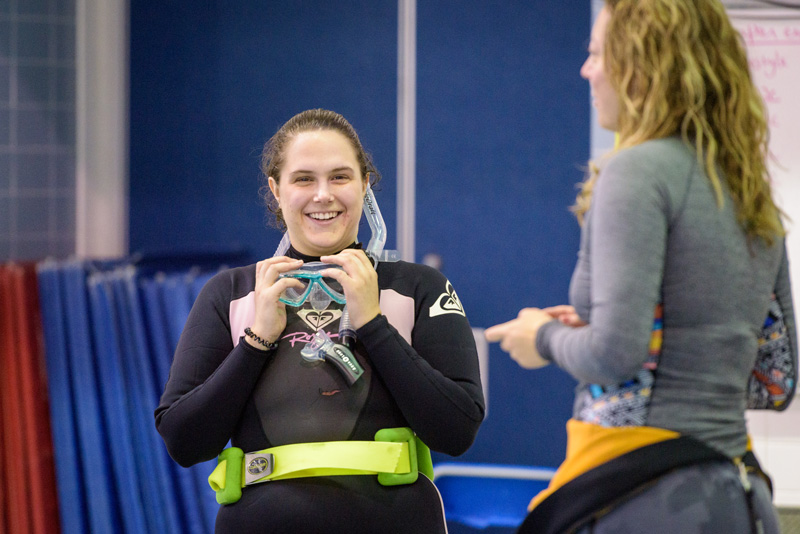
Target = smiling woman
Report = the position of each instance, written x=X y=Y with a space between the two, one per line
x=264 y=362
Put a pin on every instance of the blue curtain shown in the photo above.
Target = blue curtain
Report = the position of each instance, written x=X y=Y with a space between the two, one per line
x=110 y=331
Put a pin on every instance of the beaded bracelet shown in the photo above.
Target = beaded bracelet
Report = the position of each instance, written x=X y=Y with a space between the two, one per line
x=261 y=341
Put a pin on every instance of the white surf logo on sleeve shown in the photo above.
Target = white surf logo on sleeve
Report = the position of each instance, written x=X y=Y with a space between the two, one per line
x=447 y=303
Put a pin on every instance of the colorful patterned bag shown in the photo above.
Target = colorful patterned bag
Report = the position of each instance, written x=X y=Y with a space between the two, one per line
x=773 y=378
x=625 y=404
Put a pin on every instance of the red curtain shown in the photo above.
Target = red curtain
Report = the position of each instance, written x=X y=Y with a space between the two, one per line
x=28 y=497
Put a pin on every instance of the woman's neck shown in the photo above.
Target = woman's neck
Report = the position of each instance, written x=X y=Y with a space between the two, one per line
x=294 y=253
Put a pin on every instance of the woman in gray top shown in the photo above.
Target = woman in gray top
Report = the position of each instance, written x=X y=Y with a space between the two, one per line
x=682 y=250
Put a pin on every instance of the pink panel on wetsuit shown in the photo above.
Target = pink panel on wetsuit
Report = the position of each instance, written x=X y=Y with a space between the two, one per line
x=399 y=311
x=242 y=311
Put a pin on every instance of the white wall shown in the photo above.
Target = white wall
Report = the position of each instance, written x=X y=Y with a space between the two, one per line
x=101 y=202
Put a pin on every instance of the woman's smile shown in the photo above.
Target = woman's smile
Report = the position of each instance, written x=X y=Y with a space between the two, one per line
x=324 y=216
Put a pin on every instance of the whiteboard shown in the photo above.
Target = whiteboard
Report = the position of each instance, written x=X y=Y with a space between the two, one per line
x=772 y=38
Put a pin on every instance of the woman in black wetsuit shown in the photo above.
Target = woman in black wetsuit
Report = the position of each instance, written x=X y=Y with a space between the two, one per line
x=240 y=373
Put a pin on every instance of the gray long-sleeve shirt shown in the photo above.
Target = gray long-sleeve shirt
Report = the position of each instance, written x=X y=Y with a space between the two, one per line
x=655 y=234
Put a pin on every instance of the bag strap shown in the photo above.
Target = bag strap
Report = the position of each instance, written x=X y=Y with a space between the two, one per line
x=580 y=499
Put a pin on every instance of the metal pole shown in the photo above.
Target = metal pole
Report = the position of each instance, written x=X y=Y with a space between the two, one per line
x=406 y=126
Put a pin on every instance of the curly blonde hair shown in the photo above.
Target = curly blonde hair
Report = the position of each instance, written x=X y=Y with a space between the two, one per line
x=680 y=66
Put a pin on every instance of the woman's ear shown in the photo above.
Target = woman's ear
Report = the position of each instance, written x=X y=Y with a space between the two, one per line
x=273 y=186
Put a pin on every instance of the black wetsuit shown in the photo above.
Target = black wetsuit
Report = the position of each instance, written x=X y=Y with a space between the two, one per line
x=421 y=370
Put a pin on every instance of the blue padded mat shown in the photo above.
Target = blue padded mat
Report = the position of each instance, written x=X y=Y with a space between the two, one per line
x=103 y=513
x=69 y=478
x=113 y=394
x=143 y=399
x=176 y=297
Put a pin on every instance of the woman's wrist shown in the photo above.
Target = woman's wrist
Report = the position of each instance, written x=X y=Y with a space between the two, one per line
x=257 y=341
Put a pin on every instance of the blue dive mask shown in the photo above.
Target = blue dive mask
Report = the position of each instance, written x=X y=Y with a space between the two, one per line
x=315 y=289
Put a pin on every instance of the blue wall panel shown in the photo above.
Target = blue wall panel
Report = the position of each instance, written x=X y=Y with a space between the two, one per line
x=503 y=132
x=211 y=81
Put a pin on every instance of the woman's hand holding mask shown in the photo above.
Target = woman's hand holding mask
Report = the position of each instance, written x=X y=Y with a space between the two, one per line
x=359 y=281
x=270 y=316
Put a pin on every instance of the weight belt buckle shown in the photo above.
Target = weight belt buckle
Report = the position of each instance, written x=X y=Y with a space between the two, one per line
x=258 y=466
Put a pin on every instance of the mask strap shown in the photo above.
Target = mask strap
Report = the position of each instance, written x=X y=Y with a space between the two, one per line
x=283 y=246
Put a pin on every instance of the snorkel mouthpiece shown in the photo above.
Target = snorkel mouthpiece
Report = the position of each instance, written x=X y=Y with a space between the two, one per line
x=322 y=347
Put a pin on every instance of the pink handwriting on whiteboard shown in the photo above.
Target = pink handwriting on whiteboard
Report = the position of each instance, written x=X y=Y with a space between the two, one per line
x=767 y=64
x=755 y=34
x=770 y=95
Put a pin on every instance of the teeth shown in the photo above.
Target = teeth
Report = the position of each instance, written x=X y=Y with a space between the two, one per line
x=323 y=216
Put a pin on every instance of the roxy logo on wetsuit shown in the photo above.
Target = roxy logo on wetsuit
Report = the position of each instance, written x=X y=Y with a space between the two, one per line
x=447 y=302
x=316 y=320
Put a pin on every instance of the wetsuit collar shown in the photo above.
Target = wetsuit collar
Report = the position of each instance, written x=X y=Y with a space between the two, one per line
x=292 y=253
